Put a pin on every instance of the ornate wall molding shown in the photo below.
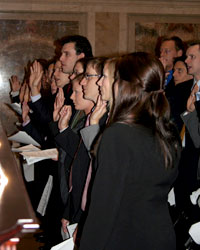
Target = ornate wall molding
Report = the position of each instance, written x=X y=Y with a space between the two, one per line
x=139 y=7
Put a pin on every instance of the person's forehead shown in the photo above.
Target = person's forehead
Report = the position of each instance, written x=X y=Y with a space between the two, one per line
x=195 y=49
x=91 y=68
x=58 y=64
x=179 y=64
x=68 y=47
x=51 y=66
x=168 y=45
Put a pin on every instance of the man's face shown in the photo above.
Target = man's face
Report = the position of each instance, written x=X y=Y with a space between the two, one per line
x=69 y=57
x=89 y=84
x=180 y=72
x=167 y=54
x=61 y=78
x=193 y=61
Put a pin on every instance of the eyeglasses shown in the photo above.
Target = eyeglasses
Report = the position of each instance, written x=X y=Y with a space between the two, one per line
x=88 y=76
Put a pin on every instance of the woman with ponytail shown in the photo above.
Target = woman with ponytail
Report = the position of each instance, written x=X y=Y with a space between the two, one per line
x=136 y=161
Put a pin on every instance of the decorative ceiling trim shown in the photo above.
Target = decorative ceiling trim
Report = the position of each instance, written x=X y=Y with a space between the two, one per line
x=135 y=7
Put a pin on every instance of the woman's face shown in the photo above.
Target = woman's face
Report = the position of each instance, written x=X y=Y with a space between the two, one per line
x=78 y=69
x=180 y=73
x=77 y=97
x=105 y=84
x=89 y=84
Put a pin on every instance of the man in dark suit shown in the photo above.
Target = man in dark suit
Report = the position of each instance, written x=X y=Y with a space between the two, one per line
x=187 y=180
x=73 y=48
x=181 y=91
x=170 y=49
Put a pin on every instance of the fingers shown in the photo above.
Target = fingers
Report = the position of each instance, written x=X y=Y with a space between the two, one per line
x=64 y=225
x=99 y=100
x=66 y=109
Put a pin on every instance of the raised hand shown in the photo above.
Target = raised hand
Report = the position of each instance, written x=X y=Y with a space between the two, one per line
x=58 y=104
x=25 y=112
x=27 y=94
x=35 y=78
x=99 y=111
x=22 y=92
x=192 y=98
x=15 y=83
x=65 y=223
x=65 y=115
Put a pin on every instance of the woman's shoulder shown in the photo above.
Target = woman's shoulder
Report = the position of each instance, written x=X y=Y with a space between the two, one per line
x=123 y=130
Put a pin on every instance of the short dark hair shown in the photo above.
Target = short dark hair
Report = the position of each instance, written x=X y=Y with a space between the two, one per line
x=81 y=44
x=193 y=43
x=181 y=59
x=179 y=45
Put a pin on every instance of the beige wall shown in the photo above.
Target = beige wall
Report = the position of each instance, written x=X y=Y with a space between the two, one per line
x=109 y=24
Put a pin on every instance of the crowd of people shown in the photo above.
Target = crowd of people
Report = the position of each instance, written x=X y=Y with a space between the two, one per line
x=127 y=132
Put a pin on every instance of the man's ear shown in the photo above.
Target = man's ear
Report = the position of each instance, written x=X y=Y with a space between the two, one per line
x=179 y=52
x=81 y=55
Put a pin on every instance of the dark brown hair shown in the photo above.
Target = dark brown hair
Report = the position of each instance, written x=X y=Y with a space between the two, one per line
x=140 y=99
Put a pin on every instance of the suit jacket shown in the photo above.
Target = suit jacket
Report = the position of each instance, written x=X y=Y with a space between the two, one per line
x=192 y=123
x=187 y=181
x=67 y=143
x=80 y=167
x=178 y=96
x=128 y=207
x=44 y=107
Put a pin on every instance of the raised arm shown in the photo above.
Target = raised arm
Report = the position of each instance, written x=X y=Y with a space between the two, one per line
x=35 y=78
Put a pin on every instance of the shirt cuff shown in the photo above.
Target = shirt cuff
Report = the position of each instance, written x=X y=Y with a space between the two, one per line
x=14 y=93
x=62 y=130
x=186 y=113
x=25 y=123
x=35 y=98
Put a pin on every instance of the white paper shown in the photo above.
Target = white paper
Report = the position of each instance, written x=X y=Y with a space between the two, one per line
x=194 y=232
x=32 y=160
x=39 y=155
x=28 y=172
x=47 y=153
x=24 y=138
x=65 y=245
x=26 y=148
x=16 y=107
x=171 y=197
x=45 y=196
x=71 y=228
